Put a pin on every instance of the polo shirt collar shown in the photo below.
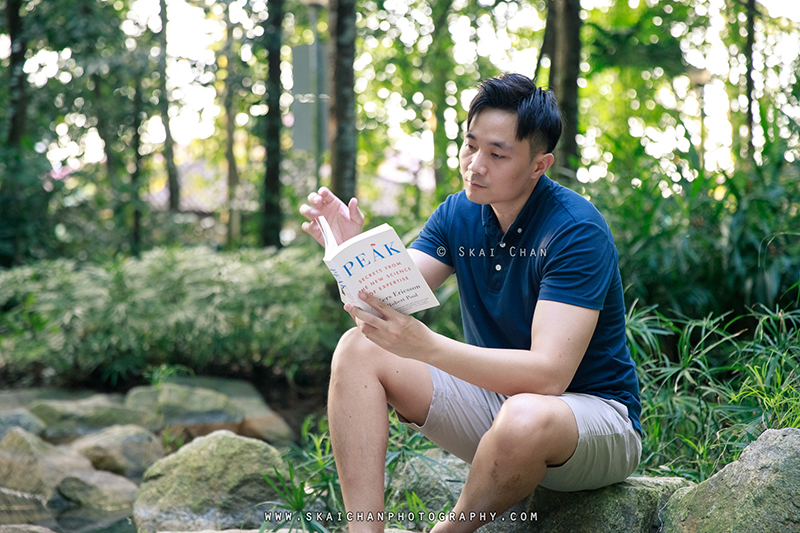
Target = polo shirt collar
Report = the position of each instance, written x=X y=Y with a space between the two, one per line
x=492 y=226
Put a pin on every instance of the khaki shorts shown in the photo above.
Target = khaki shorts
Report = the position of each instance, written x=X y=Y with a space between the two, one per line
x=608 y=451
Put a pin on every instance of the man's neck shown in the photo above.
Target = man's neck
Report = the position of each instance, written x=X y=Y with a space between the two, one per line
x=508 y=212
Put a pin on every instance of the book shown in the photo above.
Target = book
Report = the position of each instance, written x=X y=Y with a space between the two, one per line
x=377 y=263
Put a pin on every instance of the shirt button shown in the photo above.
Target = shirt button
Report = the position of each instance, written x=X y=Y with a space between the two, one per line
x=519 y=230
x=502 y=245
x=498 y=268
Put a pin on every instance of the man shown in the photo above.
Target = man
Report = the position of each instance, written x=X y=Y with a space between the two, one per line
x=544 y=391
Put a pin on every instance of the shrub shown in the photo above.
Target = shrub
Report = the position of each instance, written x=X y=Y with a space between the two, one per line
x=192 y=307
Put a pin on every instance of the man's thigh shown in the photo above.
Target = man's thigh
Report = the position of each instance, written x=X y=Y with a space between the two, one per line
x=608 y=447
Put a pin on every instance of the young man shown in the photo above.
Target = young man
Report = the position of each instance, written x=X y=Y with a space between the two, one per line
x=544 y=391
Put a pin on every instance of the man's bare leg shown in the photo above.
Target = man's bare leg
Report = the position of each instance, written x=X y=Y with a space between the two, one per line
x=529 y=433
x=364 y=378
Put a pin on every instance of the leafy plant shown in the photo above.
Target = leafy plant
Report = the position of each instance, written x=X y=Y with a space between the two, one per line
x=295 y=499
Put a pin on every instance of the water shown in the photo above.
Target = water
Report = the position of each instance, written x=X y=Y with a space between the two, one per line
x=20 y=508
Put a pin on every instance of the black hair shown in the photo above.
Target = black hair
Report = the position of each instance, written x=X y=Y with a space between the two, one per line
x=538 y=116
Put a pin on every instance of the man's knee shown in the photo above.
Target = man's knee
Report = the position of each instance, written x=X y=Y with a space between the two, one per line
x=528 y=416
x=352 y=346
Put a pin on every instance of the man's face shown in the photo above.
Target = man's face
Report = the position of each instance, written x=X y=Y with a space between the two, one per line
x=497 y=169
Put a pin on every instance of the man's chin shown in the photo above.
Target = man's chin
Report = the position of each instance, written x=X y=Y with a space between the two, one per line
x=474 y=195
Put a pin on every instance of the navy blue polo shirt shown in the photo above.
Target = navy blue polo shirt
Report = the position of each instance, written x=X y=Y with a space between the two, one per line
x=559 y=248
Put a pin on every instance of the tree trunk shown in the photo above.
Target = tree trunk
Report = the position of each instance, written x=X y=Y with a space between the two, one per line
x=138 y=111
x=163 y=104
x=749 y=83
x=343 y=102
x=19 y=86
x=566 y=62
x=548 y=44
x=11 y=186
x=272 y=217
x=234 y=231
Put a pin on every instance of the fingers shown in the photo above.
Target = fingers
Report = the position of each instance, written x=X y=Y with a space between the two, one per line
x=376 y=303
x=355 y=213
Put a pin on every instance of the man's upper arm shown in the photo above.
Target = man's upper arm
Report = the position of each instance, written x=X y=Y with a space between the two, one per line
x=560 y=335
x=433 y=270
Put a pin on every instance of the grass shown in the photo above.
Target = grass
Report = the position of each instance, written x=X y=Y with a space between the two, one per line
x=711 y=386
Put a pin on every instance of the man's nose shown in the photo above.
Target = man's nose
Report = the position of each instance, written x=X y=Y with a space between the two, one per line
x=477 y=165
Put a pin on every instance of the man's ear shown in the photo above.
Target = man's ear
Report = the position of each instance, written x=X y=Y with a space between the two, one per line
x=542 y=164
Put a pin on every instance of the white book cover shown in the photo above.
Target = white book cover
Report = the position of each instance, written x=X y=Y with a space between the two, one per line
x=376 y=262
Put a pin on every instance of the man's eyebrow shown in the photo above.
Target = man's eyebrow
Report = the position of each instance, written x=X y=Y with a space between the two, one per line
x=499 y=144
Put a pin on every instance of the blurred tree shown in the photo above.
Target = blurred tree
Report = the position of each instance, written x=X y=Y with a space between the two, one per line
x=10 y=186
x=164 y=105
x=564 y=73
x=272 y=217
x=344 y=138
x=232 y=84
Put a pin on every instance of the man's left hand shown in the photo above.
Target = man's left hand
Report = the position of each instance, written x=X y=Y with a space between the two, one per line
x=395 y=332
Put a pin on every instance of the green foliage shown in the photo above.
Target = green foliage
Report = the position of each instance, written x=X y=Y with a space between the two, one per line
x=695 y=246
x=720 y=389
x=163 y=373
x=313 y=482
x=192 y=307
x=296 y=499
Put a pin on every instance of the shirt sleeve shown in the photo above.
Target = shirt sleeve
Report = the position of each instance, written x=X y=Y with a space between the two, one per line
x=580 y=267
x=433 y=238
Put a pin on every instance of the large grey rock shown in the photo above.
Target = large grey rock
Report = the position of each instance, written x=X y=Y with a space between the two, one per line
x=632 y=506
x=215 y=482
x=260 y=421
x=100 y=490
x=436 y=476
x=67 y=420
x=759 y=492
x=22 y=418
x=39 y=473
x=125 y=450
x=196 y=411
x=32 y=466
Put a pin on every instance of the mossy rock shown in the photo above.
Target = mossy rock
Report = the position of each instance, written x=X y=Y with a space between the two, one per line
x=67 y=420
x=214 y=482
x=759 y=492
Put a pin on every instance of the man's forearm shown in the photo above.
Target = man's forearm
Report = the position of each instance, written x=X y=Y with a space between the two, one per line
x=505 y=371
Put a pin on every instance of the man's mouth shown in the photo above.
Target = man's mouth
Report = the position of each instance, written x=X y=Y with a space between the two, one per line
x=468 y=179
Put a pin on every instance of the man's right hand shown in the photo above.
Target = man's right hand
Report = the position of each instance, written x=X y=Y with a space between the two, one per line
x=345 y=221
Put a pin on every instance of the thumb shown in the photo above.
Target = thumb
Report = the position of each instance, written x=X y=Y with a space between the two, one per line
x=355 y=213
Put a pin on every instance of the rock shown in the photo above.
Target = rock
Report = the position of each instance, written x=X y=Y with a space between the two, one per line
x=30 y=465
x=125 y=450
x=37 y=471
x=24 y=528
x=196 y=411
x=22 y=418
x=631 y=506
x=68 y=419
x=15 y=398
x=759 y=492
x=100 y=490
x=436 y=476
x=21 y=508
x=215 y=482
x=259 y=421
